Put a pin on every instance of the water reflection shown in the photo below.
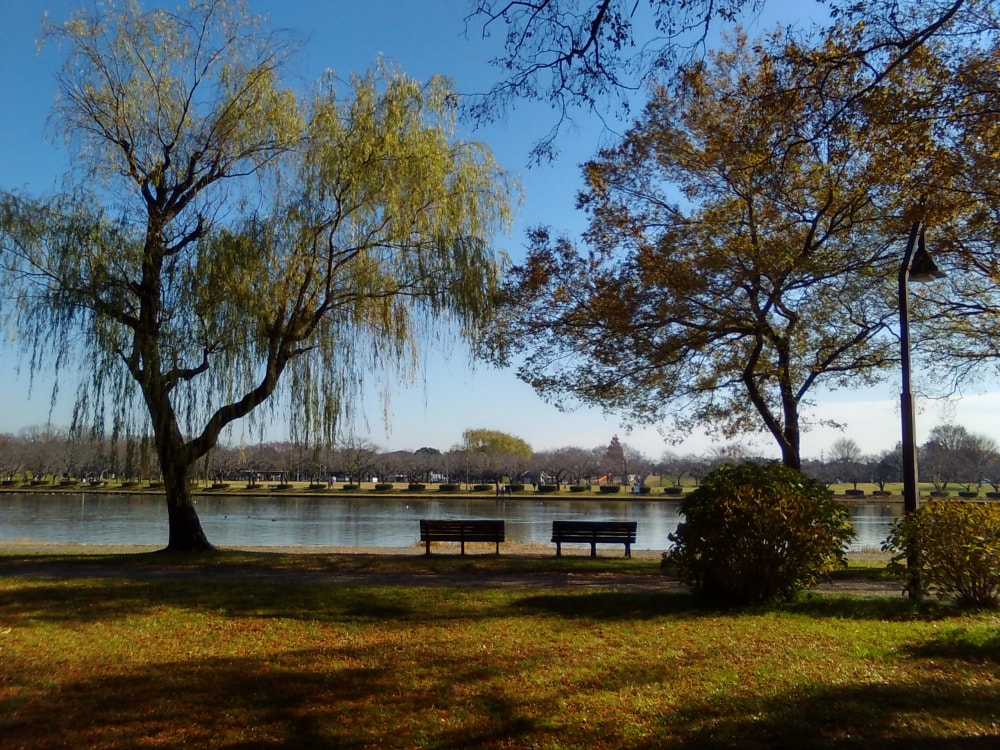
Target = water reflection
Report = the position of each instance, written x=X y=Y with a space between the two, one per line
x=352 y=521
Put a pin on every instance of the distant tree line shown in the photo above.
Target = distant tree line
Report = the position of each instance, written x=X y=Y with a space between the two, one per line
x=953 y=459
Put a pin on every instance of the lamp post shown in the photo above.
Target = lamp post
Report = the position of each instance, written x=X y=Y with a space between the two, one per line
x=917 y=266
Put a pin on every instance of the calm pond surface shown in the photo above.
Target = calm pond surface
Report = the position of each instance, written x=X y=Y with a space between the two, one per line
x=355 y=521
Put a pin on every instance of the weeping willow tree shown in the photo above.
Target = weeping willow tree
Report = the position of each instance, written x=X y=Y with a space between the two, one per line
x=232 y=243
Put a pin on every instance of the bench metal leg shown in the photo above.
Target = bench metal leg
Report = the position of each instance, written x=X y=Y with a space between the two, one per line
x=428 y=547
x=628 y=550
x=558 y=549
x=593 y=549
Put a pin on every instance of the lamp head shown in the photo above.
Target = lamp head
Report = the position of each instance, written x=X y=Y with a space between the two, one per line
x=922 y=267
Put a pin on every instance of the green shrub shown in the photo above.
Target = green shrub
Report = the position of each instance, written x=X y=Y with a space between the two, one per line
x=416 y=487
x=516 y=487
x=483 y=487
x=548 y=488
x=756 y=532
x=351 y=487
x=957 y=545
x=384 y=487
x=449 y=487
x=673 y=490
x=610 y=489
x=579 y=488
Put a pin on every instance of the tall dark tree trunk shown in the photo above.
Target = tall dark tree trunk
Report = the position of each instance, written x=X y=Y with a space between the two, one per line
x=791 y=437
x=177 y=461
x=785 y=429
x=185 y=532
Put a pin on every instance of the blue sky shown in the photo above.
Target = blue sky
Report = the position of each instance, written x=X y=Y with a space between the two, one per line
x=424 y=37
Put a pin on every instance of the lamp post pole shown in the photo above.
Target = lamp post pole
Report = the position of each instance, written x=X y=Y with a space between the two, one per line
x=906 y=403
x=917 y=266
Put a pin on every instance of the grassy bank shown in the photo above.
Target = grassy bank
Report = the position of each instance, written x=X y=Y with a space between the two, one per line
x=257 y=651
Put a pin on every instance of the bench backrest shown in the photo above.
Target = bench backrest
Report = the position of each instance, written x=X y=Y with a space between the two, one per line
x=453 y=530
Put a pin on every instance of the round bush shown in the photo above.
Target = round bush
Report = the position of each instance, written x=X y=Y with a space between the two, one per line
x=482 y=487
x=957 y=545
x=548 y=488
x=579 y=488
x=610 y=489
x=416 y=487
x=516 y=487
x=756 y=532
x=449 y=487
x=384 y=487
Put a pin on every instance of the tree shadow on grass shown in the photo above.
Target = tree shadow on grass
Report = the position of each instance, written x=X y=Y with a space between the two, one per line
x=109 y=599
x=843 y=607
x=336 y=695
x=626 y=605
x=82 y=602
x=94 y=600
x=330 y=697
x=613 y=605
x=968 y=644
x=930 y=714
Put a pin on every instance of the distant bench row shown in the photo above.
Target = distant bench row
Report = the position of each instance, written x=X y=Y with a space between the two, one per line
x=563 y=532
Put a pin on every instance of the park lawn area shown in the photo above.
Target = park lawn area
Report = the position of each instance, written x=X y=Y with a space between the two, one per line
x=209 y=659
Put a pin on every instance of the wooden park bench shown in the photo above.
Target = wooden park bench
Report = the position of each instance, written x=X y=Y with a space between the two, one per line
x=462 y=531
x=594 y=533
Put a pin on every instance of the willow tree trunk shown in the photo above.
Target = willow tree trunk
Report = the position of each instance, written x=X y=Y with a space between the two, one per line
x=176 y=463
x=185 y=534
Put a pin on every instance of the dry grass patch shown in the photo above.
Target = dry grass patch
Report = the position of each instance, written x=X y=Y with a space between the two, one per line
x=199 y=661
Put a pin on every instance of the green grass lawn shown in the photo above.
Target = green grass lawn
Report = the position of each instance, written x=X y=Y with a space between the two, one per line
x=213 y=658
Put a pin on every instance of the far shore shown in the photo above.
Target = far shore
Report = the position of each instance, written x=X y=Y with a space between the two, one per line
x=403 y=490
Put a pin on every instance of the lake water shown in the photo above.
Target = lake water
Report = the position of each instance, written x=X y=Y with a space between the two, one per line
x=355 y=521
